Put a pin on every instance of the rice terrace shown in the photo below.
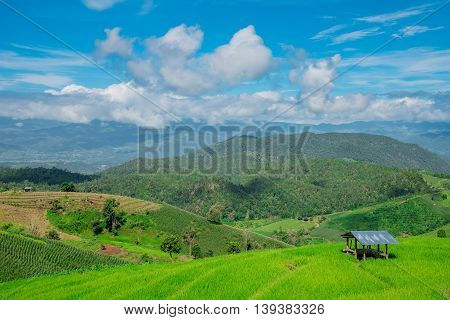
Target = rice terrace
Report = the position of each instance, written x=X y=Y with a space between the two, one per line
x=50 y=251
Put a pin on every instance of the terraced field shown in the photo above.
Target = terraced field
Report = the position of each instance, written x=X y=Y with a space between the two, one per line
x=30 y=209
x=74 y=200
x=418 y=270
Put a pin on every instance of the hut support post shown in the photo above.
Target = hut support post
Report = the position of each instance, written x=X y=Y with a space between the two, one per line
x=346 y=246
x=378 y=250
x=387 y=253
x=364 y=252
x=356 y=248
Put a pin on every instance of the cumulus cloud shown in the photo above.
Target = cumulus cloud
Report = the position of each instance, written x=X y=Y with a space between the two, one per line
x=114 y=44
x=175 y=58
x=100 y=5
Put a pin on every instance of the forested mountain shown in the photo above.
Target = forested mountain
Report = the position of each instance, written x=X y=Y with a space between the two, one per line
x=46 y=176
x=329 y=185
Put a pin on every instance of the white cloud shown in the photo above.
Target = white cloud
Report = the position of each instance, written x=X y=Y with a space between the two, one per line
x=356 y=35
x=178 y=66
x=49 y=80
x=100 y=5
x=114 y=44
x=413 y=30
x=397 y=15
x=146 y=7
x=324 y=34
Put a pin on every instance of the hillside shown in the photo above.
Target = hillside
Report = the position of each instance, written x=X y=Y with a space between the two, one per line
x=352 y=146
x=417 y=270
x=330 y=185
x=147 y=223
x=52 y=176
x=23 y=257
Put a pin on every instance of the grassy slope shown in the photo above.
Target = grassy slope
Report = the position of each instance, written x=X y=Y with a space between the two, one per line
x=418 y=271
x=166 y=217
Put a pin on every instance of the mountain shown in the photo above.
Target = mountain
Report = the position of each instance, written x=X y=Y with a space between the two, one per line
x=92 y=147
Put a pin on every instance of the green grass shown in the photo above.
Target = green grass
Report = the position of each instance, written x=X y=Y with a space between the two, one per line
x=22 y=256
x=285 y=225
x=419 y=270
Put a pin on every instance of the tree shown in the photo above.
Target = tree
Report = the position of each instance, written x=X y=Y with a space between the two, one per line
x=52 y=234
x=441 y=233
x=233 y=247
x=113 y=220
x=190 y=236
x=171 y=244
x=68 y=187
x=215 y=213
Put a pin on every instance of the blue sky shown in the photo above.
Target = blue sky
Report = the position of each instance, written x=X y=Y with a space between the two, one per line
x=290 y=50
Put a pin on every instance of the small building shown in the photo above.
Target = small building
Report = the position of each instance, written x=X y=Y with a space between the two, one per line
x=27 y=189
x=367 y=240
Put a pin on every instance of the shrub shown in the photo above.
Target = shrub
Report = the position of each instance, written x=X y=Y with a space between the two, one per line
x=97 y=227
x=444 y=196
x=441 y=233
x=6 y=226
x=215 y=213
x=113 y=220
x=209 y=253
x=196 y=251
x=233 y=247
x=53 y=235
x=171 y=244
x=68 y=187
x=145 y=258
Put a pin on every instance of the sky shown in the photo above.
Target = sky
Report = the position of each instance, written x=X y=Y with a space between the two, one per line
x=151 y=62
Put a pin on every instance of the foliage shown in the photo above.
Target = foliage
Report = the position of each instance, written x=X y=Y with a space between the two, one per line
x=73 y=222
x=171 y=244
x=196 y=251
x=68 y=187
x=113 y=220
x=51 y=176
x=53 y=235
x=412 y=216
x=190 y=237
x=441 y=233
x=346 y=185
x=22 y=256
x=97 y=227
x=215 y=213
x=141 y=221
x=233 y=247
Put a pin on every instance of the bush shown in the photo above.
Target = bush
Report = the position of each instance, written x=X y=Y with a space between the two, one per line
x=215 y=213
x=145 y=258
x=441 y=233
x=444 y=196
x=6 y=226
x=196 y=251
x=53 y=235
x=97 y=227
x=68 y=187
x=233 y=247
x=209 y=253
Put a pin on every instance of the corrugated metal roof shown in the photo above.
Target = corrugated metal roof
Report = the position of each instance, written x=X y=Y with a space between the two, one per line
x=374 y=237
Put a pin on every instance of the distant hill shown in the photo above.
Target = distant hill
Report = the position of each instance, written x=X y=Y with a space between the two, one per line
x=48 y=176
x=94 y=146
x=352 y=146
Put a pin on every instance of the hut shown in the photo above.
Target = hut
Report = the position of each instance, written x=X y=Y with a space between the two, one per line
x=367 y=240
x=27 y=189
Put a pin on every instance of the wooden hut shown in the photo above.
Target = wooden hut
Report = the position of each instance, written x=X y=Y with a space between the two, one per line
x=367 y=240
